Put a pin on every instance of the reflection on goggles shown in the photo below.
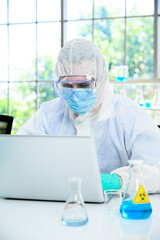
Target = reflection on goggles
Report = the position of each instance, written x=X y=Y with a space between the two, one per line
x=81 y=88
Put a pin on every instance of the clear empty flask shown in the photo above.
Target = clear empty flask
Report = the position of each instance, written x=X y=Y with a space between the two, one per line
x=156 y=99
x=123 y=92
x=74 y=213
x=135 y=203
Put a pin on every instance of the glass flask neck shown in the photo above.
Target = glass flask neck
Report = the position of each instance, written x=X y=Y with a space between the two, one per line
x=75 y=184
x=135 y=177
x=135 y=168
x=75 y=190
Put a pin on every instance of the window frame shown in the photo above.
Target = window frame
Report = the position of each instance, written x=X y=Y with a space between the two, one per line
x=63 y=21
x=156 y=60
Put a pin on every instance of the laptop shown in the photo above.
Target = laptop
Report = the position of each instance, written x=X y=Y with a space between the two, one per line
x=38 y=167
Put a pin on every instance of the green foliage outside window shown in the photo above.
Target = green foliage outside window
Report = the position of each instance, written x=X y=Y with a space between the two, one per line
x=109 y=37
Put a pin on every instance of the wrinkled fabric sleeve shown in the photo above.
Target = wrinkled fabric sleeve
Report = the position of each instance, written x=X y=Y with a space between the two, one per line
x=141 y=138
x=138 y=132
x=34 y=126
x=145 y=141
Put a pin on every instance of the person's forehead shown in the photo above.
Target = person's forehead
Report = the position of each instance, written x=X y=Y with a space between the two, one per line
x=77 y=77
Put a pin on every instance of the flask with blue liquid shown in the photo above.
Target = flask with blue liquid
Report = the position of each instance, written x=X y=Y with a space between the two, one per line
x=135 y=203
x=122 y=73
x=139 y=97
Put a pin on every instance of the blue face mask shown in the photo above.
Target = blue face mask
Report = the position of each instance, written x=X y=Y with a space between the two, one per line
x=79 y=105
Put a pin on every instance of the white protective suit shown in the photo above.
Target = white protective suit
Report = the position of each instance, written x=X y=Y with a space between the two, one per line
x=122 y=129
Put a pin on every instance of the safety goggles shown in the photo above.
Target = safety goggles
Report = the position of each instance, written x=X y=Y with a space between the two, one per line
x=81 y=88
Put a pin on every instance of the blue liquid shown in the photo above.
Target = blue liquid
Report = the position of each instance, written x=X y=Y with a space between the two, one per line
x=121 y=79
x=141 y=104
x=129 y=210
x=74 y=222
x=148 y=104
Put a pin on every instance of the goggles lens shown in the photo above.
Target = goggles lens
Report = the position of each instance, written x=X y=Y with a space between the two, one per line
x=81 y=88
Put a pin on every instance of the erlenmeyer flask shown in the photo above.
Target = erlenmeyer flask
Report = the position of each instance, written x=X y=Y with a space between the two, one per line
x=156 y=99
x=123 y=92
x=139 y=97
x=122 y=73
x=135 y=203
x=74 y=213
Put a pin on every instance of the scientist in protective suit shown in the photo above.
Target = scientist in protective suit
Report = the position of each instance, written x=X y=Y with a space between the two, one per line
x=86 y=106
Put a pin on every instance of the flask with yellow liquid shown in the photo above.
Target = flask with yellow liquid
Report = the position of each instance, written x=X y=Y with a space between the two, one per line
x=135 y=203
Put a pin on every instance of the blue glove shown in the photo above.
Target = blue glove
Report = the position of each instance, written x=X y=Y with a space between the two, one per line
x=110 y=181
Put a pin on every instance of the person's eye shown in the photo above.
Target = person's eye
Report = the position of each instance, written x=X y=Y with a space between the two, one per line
x=67 y=85
x=83 y=85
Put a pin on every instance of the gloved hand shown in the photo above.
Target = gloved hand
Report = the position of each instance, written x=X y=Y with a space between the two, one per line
x=110 y=181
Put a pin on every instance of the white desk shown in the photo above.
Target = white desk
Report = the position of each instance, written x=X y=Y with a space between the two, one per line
x=37 y=220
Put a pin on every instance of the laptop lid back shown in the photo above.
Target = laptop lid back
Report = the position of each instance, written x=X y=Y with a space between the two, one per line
x=38 y=167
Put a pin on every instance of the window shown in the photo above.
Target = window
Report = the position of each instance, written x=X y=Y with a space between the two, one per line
x=30 y=38
x=33 y=31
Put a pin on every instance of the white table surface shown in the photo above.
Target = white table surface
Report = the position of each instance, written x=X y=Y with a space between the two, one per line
x=37 y=220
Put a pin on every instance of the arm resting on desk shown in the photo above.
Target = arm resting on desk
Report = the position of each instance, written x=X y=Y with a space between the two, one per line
x=150 y=176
